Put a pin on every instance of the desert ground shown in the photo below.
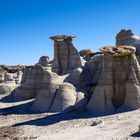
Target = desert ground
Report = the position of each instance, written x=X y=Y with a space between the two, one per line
x=17 y=124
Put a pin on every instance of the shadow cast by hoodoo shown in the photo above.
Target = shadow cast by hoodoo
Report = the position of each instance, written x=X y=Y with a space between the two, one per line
x=17 y=109
x=56 y=118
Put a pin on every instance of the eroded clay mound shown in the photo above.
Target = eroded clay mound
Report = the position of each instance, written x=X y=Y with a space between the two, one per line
x=118 y=86
x=64 y=98
x=56 y=95
x=31 y=84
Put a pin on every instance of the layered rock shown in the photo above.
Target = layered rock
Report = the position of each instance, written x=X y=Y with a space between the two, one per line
x=26 y=72
x=64 y=98
x=45 y=96
x=85 y=52
x=2 y=73
x=127 y=37
x=7 y=82
x=118 y=85
x=66 y=56
x=1 y=77
x=7 y=87
x=55 y=96
x=74 y=77
x=92 y=70
x=106 y=82
x=44 y=61
x=48 y=89
x=32 y=83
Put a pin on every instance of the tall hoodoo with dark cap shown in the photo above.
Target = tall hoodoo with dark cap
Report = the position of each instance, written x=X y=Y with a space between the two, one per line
x=66 y=56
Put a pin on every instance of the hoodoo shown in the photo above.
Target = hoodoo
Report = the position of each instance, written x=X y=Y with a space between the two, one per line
x=118 y=87
x=108 y=82
x=66 y=56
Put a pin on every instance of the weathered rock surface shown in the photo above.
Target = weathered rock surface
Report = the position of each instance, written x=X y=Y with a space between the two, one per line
x=54 y=95
x=65 y=97
x=85 y=52
x=104 y=83
x=118 y=85
x=73 y=77
x=31 y=85
x=46 y=95
x=44 y=61
x=7 y=87
x=1 y=77
x=102 y=90
x=2 y=73
x=66 y=56
x=127 y=37
x=18 y=78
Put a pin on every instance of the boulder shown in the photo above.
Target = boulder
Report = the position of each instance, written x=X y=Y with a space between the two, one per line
x=85 y=52
x=2 y=77
x=44 y=61
x=65 y=98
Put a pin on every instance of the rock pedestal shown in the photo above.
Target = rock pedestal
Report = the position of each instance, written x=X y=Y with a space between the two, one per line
x=118 y=86
x=66 y=56
x=127 y=37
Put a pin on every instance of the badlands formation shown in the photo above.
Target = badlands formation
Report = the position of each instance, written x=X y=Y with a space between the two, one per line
x=78 y=95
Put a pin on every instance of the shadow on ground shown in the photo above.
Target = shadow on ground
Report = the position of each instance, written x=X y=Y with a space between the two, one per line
x=135 y=135
x=7 y=99
x=56 y=118
x=17 y=109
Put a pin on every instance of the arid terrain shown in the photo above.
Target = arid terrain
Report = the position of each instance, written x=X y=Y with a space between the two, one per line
x=82 y=95
x=17 y=125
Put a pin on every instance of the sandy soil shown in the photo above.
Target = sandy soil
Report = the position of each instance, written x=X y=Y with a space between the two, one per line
x=16 y=123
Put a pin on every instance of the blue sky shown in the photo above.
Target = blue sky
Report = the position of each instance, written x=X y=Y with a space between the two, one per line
x=25 y=25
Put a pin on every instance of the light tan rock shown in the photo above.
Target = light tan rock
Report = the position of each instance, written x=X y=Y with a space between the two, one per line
x=66 y=56
x=7 y=87
x=118 y=85
x=33 y=82
x=127 y=37
x=46 y=95
x=44 y=61
x=85 y=52
x=73 y=77
x=102 y=92
x=65 y=98
x=55 y=100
